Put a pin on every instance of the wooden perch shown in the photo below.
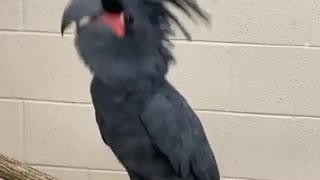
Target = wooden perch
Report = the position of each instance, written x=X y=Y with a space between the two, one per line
x=11 y=169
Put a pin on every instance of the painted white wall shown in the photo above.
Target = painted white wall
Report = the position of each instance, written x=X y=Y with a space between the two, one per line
x=252 y=78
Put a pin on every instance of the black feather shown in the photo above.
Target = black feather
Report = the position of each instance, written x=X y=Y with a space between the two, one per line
x=188 y=7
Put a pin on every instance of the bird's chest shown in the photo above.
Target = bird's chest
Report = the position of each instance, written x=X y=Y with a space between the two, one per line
x=118 y=117
x=121 y=122
x=125 y=134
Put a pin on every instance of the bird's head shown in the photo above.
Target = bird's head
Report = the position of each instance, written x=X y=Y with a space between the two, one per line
x=120 y=29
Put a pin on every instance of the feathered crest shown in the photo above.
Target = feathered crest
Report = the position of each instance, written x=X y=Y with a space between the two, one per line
x=161 y=15
x=188 y=7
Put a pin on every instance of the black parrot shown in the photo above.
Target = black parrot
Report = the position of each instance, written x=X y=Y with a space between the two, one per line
x=146 y=122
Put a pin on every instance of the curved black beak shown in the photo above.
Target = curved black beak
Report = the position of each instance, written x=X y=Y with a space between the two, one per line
x=77 y=9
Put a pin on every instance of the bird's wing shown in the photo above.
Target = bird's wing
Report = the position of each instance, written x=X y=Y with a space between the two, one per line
x=177 y=132
x=101 y=121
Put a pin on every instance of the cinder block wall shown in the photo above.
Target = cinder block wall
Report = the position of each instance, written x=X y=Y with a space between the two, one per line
x=253 y=79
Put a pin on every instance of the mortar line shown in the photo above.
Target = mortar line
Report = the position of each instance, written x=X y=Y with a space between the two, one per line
x=242 y=178
x=202 y=42
x=70 y=168
x=261 y=114
x=62 y=167
x=45 y=101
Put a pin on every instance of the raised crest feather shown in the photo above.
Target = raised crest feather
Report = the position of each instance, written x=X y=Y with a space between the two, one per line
x=189 y=7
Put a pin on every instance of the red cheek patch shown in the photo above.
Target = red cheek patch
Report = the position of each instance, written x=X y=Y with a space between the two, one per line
x=115 y=21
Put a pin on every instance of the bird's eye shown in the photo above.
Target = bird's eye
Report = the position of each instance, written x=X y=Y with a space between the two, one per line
x=128 y=19
x=84 y=21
